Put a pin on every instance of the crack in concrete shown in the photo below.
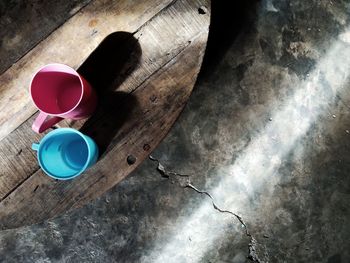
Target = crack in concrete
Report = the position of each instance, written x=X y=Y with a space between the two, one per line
x=252 y=246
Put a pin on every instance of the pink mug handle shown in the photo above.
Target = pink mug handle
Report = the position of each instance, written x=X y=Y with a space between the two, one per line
x=41 y=122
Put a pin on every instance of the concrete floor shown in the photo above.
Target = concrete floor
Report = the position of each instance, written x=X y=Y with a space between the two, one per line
x=266 y=133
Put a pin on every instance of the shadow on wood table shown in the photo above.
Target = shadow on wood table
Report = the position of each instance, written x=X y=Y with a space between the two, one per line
x=106 y=68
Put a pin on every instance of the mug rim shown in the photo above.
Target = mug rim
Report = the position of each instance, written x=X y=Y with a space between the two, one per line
x=51 y=133
x=75 y=73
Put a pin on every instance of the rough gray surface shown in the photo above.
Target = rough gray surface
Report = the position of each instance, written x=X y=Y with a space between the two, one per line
x=266 y=133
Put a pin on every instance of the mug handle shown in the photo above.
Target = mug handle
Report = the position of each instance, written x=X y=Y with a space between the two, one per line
x=44 y=122
x=35 y=146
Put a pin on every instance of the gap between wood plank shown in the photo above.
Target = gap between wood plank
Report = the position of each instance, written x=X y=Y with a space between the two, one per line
x=81 y=8
x=155 y=15
x=48 y=34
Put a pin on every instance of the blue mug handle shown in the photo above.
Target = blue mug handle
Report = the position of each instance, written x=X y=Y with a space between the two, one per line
x=35 y=146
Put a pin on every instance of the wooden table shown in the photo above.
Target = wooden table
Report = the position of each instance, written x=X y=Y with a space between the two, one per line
x=142 y=57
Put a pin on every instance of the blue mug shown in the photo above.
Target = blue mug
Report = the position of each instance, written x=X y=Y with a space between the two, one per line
x=66 y=153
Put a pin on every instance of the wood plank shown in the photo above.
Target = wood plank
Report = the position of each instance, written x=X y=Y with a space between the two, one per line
x=24 y=24
x=166 y=72
x=17 y=160
x=70 y=44
x=155 y=41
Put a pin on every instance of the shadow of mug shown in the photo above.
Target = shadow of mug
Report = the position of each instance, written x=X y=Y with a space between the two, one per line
x=106 y=69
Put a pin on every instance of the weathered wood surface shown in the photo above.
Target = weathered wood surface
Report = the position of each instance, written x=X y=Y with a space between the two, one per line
x=143 y=79
x=23 y=24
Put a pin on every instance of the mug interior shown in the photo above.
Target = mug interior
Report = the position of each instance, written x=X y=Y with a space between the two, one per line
x=56 y=89
x=64 y=155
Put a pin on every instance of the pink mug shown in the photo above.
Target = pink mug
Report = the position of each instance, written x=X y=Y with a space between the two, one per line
x=59 y=92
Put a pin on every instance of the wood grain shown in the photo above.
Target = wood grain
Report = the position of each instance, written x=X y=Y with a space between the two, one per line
x=137 y=108
x=23 y=24
x=17 y=160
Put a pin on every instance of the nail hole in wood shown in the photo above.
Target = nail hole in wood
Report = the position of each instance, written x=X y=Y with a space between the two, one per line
x=146 y=147
x=131 y=159
x=202 y=10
